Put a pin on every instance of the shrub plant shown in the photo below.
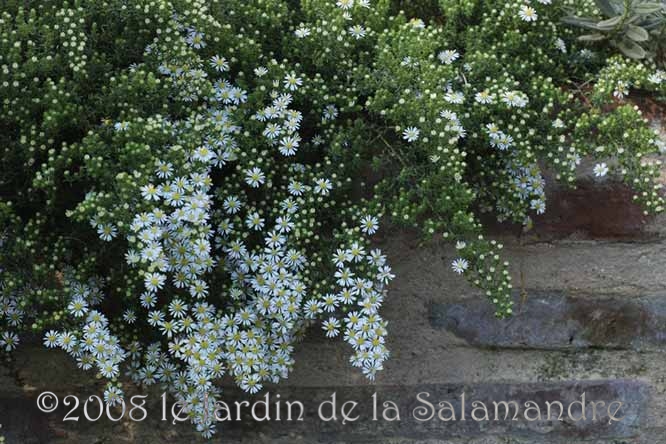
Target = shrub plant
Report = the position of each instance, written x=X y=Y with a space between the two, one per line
x=187 y=186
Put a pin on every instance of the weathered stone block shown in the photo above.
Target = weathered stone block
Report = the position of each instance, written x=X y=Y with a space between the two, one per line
x=554 y=320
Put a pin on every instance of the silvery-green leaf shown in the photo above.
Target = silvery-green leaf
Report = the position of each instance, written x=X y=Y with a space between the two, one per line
x=653 y=23
x=581 y=22
x=631 y=49
x=637 y=34
x=647 y=8
x=634 y=18
x=591 y=37
x=609 y=24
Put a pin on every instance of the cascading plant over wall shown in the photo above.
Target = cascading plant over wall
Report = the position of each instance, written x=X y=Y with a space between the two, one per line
x=188 y=187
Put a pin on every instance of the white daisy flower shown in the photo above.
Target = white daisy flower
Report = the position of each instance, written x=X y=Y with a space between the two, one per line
x=331 y=327
x=369 y=224
x=219 y=64
x=527 y=13
x=560 y=45
x=345 y=4
x=459 y=265
x=302 y=32
x=254 y=177
x=260 y=71
x=484 y=97
x=411 y=134
x=292 y=82
x=448 y=56
x=322 y=186
x=51 y=339
x=600 y=169
x=107 y=232
x=455 y=97
x=357 y=31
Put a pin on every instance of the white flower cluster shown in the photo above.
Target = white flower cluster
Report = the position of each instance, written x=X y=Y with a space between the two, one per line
x=10 y=310
x=498 y=139
x=9 y=307
x=92 y=344
x=528 y=186
x=657 y=77
x=189 y=229
x=282 y=123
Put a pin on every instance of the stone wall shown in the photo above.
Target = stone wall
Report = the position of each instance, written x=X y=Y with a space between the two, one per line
x=591 y=305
